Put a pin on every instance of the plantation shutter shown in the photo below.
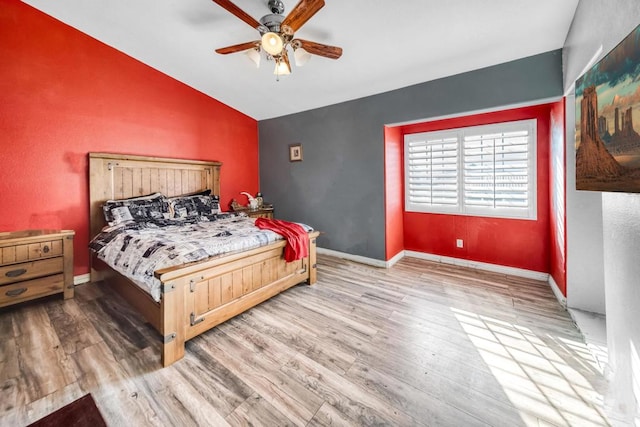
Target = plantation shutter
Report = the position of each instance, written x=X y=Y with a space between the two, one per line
x=432 y=168
x=496 y=170
x=487 y=170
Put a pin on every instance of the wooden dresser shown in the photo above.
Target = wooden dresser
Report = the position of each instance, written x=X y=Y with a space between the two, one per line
x=35 y=263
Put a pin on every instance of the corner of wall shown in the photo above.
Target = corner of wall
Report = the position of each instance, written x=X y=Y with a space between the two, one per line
x=393 y=192
x=557 y=196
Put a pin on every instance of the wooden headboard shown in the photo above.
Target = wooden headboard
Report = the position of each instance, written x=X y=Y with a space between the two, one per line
x=119 y=176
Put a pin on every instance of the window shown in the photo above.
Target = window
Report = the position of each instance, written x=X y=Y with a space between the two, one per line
x=482 y=170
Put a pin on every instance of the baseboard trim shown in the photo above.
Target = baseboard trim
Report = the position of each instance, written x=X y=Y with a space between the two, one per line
x=391 y=262
x=513 y=271
x=357 y=258
x=556 y=291
x=495 y=268
x=82 y=278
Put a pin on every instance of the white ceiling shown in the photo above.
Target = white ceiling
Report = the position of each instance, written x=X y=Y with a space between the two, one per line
x=387 y=45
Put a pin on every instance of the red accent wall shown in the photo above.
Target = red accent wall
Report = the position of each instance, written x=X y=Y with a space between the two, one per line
x=521 y=244
x=393 y=192
x=64 y=94
x=557 y=192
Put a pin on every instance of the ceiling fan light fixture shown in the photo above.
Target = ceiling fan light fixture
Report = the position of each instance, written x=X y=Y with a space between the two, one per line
x=277 y=35
x=282 y=68
x=301 y=56
x=272 y=43
x=254 y=56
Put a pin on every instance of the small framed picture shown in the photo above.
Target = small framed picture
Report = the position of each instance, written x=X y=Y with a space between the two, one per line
x=295 y=152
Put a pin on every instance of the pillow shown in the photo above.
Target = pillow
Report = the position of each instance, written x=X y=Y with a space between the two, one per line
x=194 y=205
x=143 y=208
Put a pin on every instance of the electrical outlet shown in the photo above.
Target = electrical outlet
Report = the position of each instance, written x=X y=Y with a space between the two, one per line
x=459 y=243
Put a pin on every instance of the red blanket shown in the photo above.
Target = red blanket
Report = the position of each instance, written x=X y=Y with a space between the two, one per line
x=297 y=238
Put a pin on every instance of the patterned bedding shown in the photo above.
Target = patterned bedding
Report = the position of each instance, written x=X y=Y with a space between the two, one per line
x=137 y=249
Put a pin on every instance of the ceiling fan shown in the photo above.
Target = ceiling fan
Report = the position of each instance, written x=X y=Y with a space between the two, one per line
x=277 y=35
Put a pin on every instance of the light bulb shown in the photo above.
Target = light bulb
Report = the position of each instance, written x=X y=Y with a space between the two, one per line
x=301 y=56
x=254 y=55
x=282 y=68
x=272 y=43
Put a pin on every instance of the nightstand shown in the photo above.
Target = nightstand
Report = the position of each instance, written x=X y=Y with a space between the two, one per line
x=260 y=213
x=34 y=264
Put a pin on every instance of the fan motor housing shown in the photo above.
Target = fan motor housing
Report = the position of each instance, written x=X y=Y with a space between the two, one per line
x=272 y=22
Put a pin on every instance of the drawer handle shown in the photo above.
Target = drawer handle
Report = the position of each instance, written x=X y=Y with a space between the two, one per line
x=15 y=292
x=45 y=249
x=16 y=273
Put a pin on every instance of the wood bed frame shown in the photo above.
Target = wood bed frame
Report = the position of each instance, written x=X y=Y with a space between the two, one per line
x=197 y=296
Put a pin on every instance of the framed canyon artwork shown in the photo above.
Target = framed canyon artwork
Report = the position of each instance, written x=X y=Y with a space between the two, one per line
x=608 y=121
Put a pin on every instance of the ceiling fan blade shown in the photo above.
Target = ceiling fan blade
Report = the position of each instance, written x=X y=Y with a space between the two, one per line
x=235 y=10
x=301 y=13
x=320 y=49
x=238 y=47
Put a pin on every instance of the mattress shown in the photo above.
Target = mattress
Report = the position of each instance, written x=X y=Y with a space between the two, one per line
x=138 y=249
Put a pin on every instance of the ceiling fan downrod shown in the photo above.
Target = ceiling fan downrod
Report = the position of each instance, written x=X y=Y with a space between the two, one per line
x=276 y=6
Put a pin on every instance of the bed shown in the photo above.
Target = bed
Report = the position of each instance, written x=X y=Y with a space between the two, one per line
x=196 y=296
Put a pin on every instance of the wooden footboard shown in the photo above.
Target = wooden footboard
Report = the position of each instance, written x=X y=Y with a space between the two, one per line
x=198 y=297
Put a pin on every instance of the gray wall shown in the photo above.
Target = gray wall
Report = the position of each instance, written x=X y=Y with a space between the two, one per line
x=606 y=225
x=339 y=187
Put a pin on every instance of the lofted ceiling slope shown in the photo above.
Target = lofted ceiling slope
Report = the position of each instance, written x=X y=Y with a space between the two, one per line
x=387 y=45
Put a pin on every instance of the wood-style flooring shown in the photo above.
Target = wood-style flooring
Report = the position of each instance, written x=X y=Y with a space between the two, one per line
x=418 y=344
